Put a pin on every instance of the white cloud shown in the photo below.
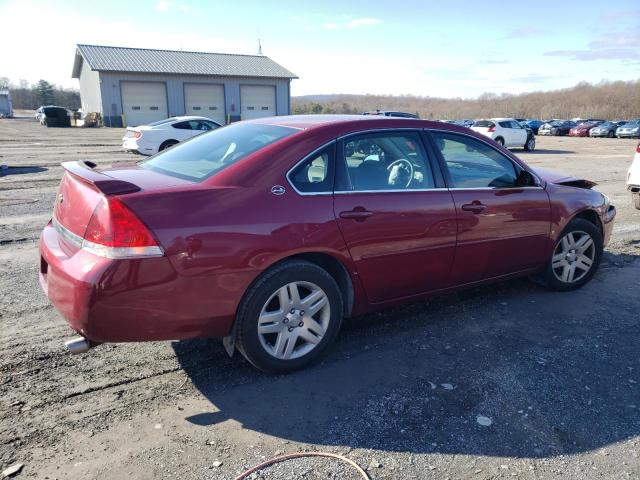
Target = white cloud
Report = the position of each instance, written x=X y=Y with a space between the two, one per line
x=352 y=24
x=163 y=5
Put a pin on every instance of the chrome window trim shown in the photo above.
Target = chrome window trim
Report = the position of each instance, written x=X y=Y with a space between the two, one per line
x=528 y=169
x=307 y=157
x=114 y=253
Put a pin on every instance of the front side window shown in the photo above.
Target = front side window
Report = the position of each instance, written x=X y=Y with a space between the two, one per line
x=385 y=161
x=209 y=153
x=474 y=164
x=315 y=173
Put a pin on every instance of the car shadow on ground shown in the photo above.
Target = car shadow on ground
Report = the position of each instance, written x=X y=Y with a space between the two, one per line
x=542 y=151
x=552 y=373
x=20 y=170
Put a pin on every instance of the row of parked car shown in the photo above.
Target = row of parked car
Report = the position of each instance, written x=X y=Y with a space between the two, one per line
x=591 y=127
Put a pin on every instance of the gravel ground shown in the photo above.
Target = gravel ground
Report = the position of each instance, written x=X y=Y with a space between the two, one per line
x=505 y=381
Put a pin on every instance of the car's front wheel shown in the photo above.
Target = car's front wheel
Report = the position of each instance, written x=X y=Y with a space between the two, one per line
x=576 y=256
x=530 y=144
x=636 y=200
x=289 y=317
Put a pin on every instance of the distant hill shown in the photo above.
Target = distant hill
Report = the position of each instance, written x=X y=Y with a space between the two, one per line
x=610 y=100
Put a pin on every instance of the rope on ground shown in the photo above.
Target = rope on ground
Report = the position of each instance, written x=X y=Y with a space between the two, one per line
x=289 y=456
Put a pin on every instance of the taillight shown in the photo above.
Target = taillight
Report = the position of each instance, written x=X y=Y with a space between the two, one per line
x=492 y=129
x=137 y=135
x=638 y=148
x=114 y=231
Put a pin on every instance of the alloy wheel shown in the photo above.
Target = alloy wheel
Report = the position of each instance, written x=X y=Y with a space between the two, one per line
x=294 y=320
x=573 y=256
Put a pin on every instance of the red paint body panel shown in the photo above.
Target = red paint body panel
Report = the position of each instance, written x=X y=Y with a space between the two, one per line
x=219 y=235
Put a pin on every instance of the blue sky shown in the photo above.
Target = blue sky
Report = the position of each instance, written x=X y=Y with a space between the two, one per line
x=450 y=49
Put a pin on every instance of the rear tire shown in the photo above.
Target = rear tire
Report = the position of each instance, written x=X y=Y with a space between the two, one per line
x=289 y=317
x=575 y=258
x=500 y=140
x=167 y=144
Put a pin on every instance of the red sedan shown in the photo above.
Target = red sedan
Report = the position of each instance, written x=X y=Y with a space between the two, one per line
x=270 y=232
x=583 y=129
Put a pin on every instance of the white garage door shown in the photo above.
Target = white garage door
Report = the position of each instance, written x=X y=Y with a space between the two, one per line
x=205 y=101
x=257 y=101
x=143 y=102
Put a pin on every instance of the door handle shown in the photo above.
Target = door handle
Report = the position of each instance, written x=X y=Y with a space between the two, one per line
x=474 y=207
x=357 y=214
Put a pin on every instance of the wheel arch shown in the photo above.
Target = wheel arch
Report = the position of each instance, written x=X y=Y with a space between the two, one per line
x=170 y=141
x=590 y=216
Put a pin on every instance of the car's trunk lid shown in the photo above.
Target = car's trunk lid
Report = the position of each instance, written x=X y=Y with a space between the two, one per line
x=83 y=187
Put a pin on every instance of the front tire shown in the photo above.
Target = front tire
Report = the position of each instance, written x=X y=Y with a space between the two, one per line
x=530 y=144
x=576 y=256
x=289 y=317
x=636 y=200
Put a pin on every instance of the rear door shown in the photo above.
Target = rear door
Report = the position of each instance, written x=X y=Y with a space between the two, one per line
x=502 y=228
x=396 y=218
x=143 y=102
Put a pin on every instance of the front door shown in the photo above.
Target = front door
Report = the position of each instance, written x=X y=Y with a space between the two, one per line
x=398 y=223
x=503 y=227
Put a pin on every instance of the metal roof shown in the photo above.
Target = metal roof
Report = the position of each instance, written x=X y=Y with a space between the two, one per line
x=142 y=60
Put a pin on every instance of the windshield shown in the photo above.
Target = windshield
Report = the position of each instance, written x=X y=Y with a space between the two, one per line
x=209 y=153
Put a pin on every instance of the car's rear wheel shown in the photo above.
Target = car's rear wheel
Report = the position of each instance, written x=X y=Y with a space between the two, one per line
x=500 y=140
x=167 y=144
x=576 y=256
x=289 y=317
x=530 y=144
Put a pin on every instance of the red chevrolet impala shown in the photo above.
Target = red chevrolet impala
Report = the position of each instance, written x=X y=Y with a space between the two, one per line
x=269 y=232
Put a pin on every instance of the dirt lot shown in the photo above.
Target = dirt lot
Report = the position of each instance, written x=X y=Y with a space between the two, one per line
x=403 y=393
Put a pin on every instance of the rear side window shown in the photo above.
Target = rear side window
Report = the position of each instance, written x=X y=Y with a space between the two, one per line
x=315 y=174
x=474 y=164
x=209 y=153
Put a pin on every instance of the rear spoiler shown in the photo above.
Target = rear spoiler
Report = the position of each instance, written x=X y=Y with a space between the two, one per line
x=103 y=182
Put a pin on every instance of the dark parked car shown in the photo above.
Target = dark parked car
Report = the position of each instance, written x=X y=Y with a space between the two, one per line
x=534 y=124
x=556 y=128
x=583 y=129
x=606 y=129
x=388 y=113
x=52 y=116
x=269 y=232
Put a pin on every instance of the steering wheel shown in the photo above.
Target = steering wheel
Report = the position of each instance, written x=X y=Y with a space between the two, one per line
x=394 y=169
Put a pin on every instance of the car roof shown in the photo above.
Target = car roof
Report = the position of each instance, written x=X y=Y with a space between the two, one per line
x=306 y=122
x=189 y=117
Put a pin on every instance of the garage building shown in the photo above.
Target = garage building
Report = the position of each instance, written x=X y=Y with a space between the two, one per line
x=135 y=86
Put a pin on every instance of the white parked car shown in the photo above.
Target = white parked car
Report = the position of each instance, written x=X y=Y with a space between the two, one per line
x=508 y=132
x=152 y=138
x=633 y=178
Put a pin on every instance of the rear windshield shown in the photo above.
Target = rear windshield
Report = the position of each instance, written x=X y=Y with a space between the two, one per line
x=209 y=153
x=484 y=123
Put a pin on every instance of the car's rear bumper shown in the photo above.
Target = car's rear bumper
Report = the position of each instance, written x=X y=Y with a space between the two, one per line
x=107 y=300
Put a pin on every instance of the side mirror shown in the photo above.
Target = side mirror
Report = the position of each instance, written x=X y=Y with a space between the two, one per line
x=525 y=179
